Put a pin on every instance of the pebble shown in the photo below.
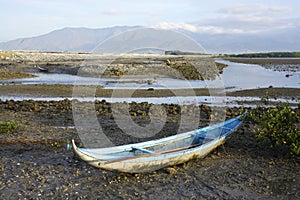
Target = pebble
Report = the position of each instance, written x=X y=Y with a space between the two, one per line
x=171 y=170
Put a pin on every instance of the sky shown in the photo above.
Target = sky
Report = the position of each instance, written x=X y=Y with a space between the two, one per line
x=20 y=19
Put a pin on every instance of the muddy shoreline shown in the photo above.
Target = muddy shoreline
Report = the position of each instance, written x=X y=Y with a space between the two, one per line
x=67 y=91
x=36 y=164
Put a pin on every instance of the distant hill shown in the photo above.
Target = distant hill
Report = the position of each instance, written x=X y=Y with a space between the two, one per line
x=66 y=39
x=86 y=40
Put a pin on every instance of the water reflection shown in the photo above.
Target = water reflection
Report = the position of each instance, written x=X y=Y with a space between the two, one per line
x=236 y=76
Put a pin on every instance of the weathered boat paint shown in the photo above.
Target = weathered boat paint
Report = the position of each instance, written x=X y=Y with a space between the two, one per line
x=173 y=150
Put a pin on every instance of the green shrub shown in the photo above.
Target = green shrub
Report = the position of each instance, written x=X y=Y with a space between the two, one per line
x=8 y=126
x=56 y=145
x=278 y=125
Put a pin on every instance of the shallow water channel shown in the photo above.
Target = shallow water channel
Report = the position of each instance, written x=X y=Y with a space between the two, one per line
x=236 y=76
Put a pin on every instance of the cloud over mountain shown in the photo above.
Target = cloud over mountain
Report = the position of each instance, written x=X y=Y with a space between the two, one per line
x=241 y=19
x=231 y=29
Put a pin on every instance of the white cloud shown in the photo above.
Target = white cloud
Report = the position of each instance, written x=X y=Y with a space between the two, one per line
x=239 y=19
x=229 y=25
x=250 y=19
x=219 y=30
x=174 y=26
x=211 y=29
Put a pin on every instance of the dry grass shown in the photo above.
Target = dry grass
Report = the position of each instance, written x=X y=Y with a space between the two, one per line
x=5 y=55
x=8 y=74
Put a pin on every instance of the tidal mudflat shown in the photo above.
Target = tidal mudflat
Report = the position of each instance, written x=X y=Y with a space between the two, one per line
x=36 y=164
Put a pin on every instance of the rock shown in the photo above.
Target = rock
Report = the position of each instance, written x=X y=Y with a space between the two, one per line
x=36 y=108
x=171 y=170
x=168 y=62
x=150 y=82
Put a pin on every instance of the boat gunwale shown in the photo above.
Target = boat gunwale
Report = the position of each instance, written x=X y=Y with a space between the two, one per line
x=126 y=164
x=157 y=155
x=156 y=142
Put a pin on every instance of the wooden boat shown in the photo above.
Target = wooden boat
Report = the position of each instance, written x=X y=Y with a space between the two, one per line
x=160 y=153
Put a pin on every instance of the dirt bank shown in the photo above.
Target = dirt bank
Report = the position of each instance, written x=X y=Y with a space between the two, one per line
x=66 y=91
x=6 y=74
x=41 y=167
x=291 y=93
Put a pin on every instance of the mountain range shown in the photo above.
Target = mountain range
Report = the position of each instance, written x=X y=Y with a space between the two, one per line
x=87 y=40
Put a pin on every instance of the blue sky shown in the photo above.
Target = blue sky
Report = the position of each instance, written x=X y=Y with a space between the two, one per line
x=29 y=18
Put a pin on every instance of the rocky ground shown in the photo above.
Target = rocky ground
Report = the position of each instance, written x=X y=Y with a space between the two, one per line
x=110 y=65
x=35 y=163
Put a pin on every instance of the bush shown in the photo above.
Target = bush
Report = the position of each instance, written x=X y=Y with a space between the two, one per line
x=278 y=125
x=8 y=126
x=56 y=144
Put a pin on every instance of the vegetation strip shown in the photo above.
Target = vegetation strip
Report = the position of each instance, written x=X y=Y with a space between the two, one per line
x=266 y=55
